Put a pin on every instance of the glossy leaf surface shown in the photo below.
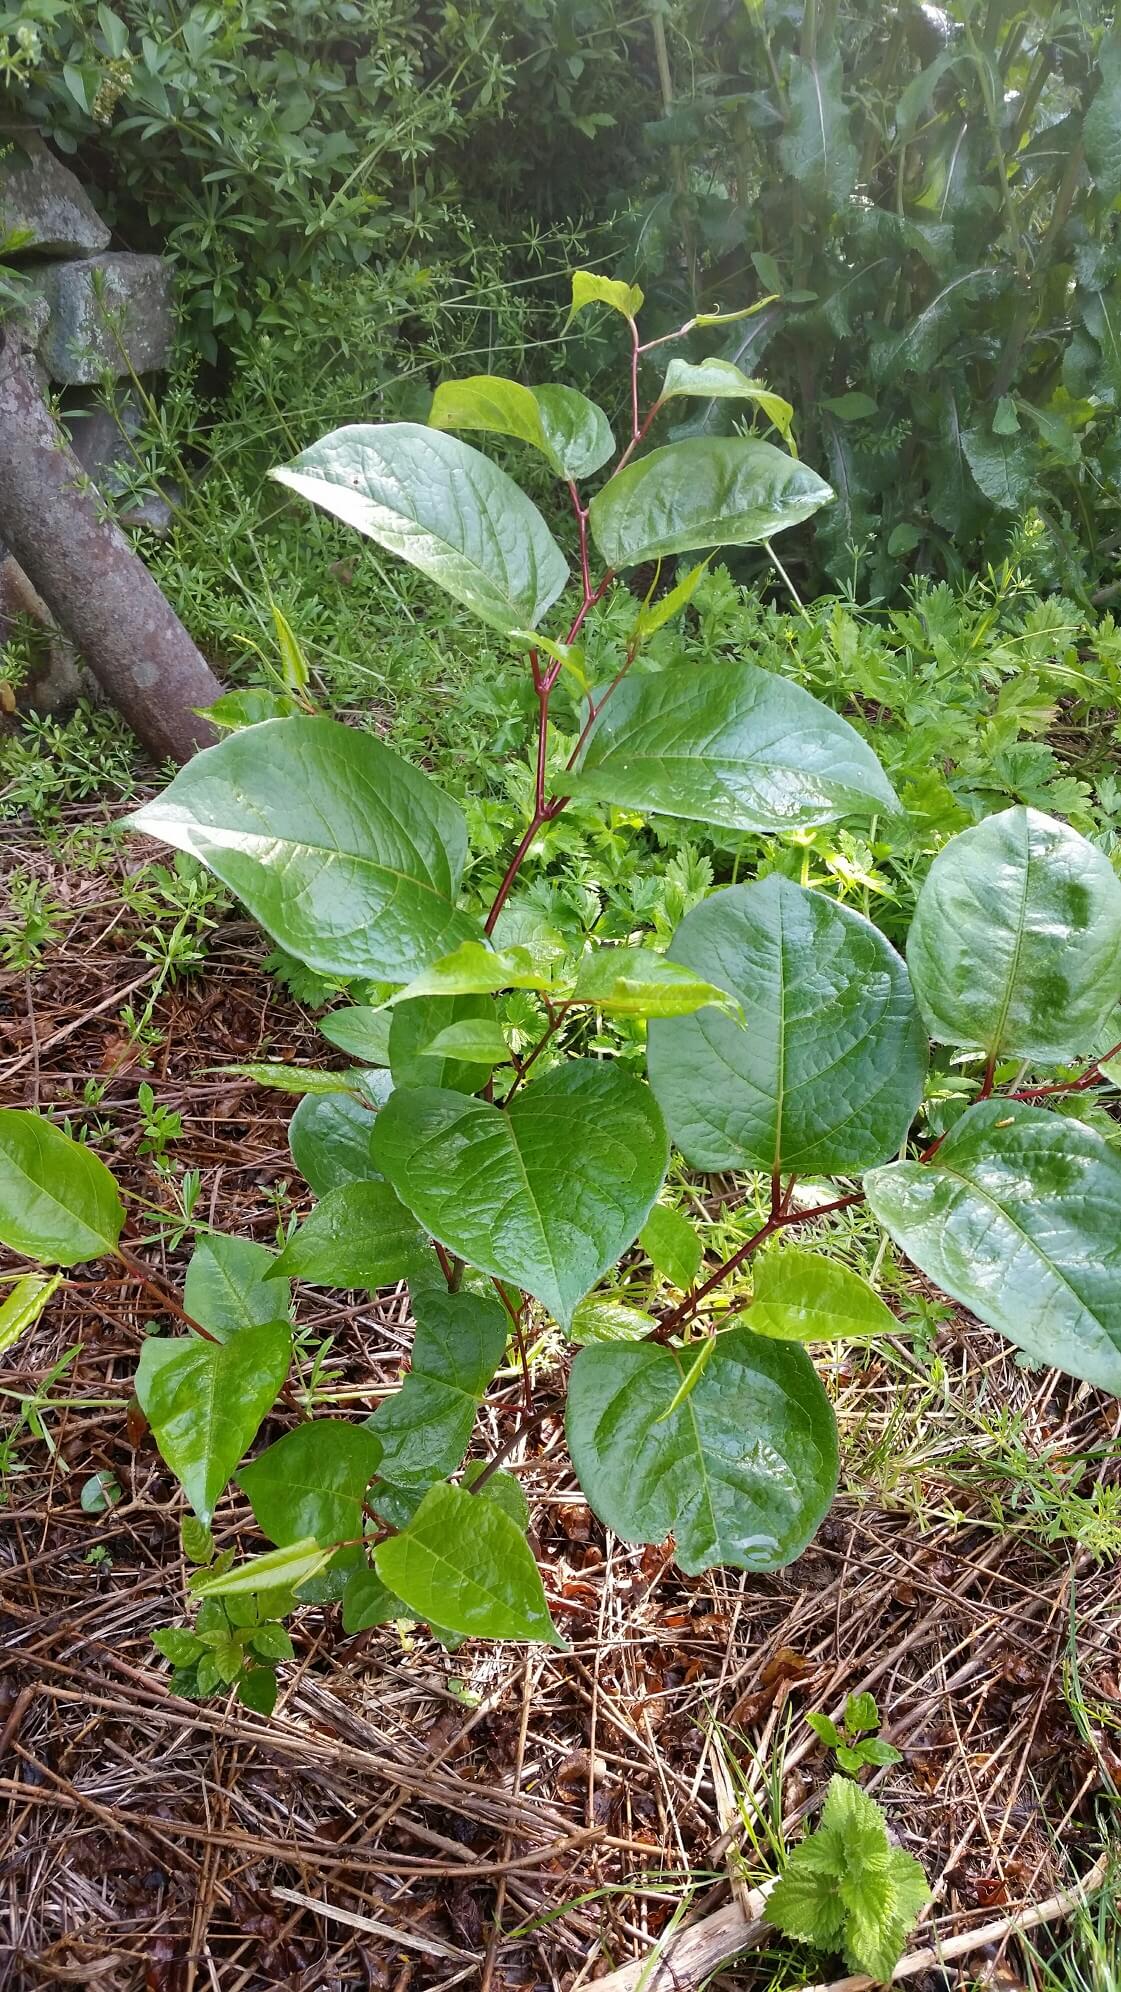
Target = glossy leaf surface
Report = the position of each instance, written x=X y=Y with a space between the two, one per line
x=546 y=1193
x=463 y=1563
x=1015 y=1216
x=331 y=1140
x=734 y=746
x=347 y=856
x=412 y=1058
x=709 y=491
x=360 y=1235
x=58 y=1201
x=474 y=1041
x=1016 y=939
x=804 y=1297
x=740 y=1473
x=312 y=1482
x=442 y=506
x=568 y=429
x=227 y=1286
x=426 y=1427
x=826 y=1073
x=277 y=1570
x=205 y=1401
x=474 y=969
x=23 y=1304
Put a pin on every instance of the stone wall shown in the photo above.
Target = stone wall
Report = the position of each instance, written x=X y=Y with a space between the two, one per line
x=94 y=317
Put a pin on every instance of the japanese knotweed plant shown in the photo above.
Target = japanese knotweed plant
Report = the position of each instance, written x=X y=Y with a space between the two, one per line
x=785 y=1036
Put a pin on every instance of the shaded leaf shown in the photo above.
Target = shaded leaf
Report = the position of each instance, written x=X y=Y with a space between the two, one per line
x=672 y=1246
x=312 y=1482
x=360 y=1031
x=58 y=1201
x=426 y=1427
x=331 y=1140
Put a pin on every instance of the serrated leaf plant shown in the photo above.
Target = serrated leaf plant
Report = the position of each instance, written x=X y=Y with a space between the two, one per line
x=846 y=1889
x=507 y=1175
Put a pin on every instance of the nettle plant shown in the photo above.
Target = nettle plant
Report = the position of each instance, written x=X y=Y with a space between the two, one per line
x=785 y=1037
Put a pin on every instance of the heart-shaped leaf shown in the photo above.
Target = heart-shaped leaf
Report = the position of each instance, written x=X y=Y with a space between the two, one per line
x=1015 y=1216
x=740 y=1472
x=803 y=1297
x=1016 y=940
x=350 y=858
x=360 y=1031
x=826 y=1073
x=58 y=1201
x=414 y=1025
x=205 y=1401
x=739 y=747
x=312 y=1482
x=545 y=1193
x=360 y=1235
x=442 y=506
x=426 y=1427
x=227 y=1286
x=463 y=1563
x=569 y=430
x=709 y=491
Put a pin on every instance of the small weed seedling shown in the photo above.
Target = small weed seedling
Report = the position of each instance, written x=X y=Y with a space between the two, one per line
x=486 y=1142
x=854 y=1745
x=847 y=1889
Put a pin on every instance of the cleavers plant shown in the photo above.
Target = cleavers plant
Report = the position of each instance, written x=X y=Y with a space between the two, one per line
x=786 y=1037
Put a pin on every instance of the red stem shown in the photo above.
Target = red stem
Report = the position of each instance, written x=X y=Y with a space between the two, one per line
x=779 y=1218
x=1088 y=1078
x=636 y=426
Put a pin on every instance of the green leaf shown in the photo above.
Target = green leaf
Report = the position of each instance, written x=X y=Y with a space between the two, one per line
x=603 y=1318
x=279 y=1569
x=569 y=430
x=1015 y=1217
x=655 y=613
x=670 y=1242
x=851 y=407
x=58 y=1201
x=414 y=1025
x=502 y=1487
x=302 y=1079
x=1015 y=942
x=548 y=1192
x=861 y=1713
x=738 y=747
x=311 y=1484
x=272 y=1642
x=740 y=1473
x=196 y=1540
x=719 y=380
x=845 y=1887
x=25 y=1303
x=425 y=1428
x=257 y=1690
x=710 y=491
x=177 y=1644
x=1003 y=466
x=816 y=148
x=331 y=1140
x=804 y=1297
x=464 y=1563
x=636 y=982
x=827 y=1075
x=362 y=1032
x=474 y=1041
x=849 y=1759
x=920 y=344
x=347 y=856
x=360 y=1235
x=205 y=1401
x=825 y=1730
x=367 y=1602
x=228 y=1286
x=248 y=708
x=474 y=969
x=1101 y=126
x=442 y=506
x=99 y=1492
x=293 y=663
x=879 y=1754
x=588 y=287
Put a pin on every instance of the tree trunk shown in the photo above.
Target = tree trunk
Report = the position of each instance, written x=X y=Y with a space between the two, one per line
x=98 y=590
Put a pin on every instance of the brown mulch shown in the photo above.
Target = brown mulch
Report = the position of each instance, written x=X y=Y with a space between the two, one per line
x=503 y=1817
